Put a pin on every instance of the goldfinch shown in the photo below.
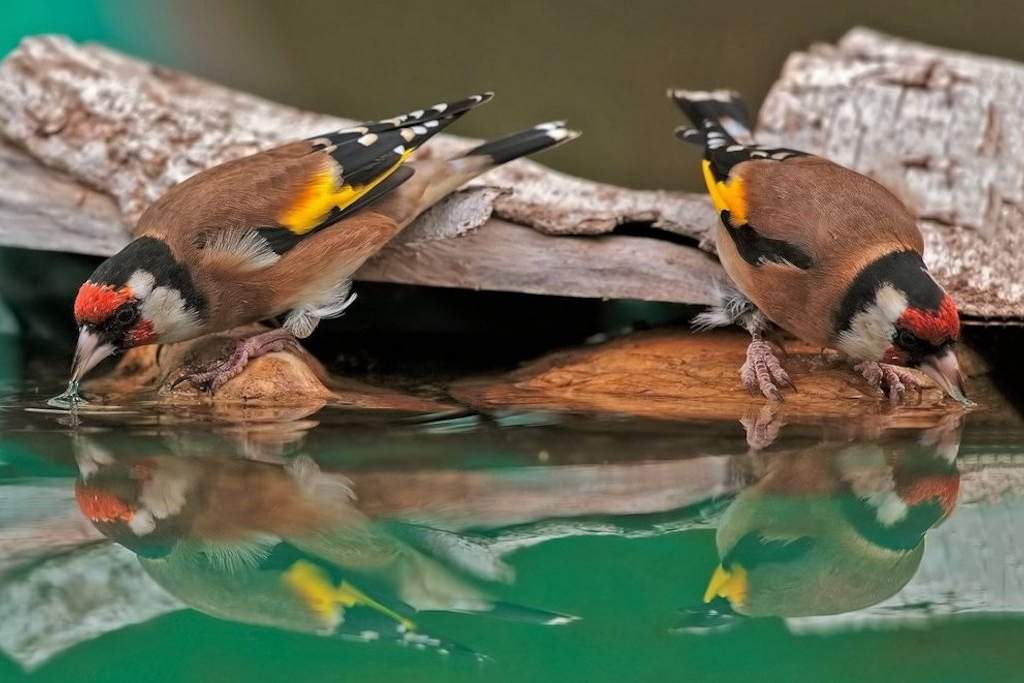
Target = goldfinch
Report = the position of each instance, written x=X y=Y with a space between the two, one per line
x=825 y=253
x=826 y=532
x=294 y=532
x=278 y=233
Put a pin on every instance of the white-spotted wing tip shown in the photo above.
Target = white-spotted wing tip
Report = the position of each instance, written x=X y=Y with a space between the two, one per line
x=557 y=131
x=561 y=620
x=721 y=95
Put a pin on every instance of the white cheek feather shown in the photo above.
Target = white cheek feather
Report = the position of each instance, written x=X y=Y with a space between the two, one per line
x=166 y=493
x=871 y=330
x=142 y=523
x=870 y=478
x=889 y=508
x=172 y=319
x=141 y=283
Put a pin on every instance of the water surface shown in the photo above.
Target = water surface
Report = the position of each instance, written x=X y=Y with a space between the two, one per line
x=253 y=544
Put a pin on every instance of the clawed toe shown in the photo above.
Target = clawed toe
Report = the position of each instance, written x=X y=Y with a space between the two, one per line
x=782 y=377
x=762 y=371
x=204 y=377
x=891 y=380
x=762 y=428
x=210 y=377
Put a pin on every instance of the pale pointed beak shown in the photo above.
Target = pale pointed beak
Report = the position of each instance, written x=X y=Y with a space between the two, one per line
x=945 y=372
x=91 y=350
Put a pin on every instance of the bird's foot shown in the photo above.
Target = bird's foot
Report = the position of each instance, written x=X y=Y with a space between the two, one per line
x=212 y=376
x=762 y=371
x=762 y=426
x=892 y=380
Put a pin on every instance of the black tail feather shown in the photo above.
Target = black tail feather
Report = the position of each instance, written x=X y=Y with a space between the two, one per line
x=543 y=136
x=716 y=111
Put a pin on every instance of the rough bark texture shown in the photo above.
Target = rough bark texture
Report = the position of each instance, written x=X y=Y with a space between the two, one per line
x=123 y=129
x=941 y=128
x=73 y=597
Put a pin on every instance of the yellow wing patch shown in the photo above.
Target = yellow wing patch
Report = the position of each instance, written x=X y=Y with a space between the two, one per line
x=732 y=585
x=325 y=600
x=728 y=195
x=322 y=194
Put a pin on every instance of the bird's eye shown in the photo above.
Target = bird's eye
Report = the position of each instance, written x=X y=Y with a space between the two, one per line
x=905 y=339
x=126 y=315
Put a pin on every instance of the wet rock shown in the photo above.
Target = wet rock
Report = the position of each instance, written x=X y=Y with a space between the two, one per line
x=678 y=374
x=672 y=374
x=291 y=383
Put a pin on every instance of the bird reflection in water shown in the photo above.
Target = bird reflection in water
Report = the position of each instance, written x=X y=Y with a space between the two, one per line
x=829 y=529
x=284 y=544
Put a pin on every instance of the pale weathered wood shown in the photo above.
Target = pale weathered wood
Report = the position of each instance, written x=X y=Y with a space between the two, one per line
x=129 y=131
x=509 y=257
x=941 y=128
x=41 y=208
x=944 y=129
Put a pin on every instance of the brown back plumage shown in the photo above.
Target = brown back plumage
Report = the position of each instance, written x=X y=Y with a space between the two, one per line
x=843 y=220
x=237 y=195
x=824 y=208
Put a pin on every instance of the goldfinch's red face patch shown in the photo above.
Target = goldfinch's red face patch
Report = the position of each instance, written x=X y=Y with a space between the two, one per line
x=116 y=312
x=96 y=303
x=141 y=334
x=943 y=489
x=923 y=333
x=100 y=506
x=937 y=327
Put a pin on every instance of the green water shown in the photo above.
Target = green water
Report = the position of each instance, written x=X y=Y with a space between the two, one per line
x=870 y=554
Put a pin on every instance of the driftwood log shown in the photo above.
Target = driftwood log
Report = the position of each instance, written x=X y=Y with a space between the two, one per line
x=89 y=137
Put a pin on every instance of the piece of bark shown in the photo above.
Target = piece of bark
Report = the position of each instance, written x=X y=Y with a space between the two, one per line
x=677 y=374
x=504 y=256
x=39 y=520
x=133 y=130
x=127 y=129
x=941 y=128
x=43 y=208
